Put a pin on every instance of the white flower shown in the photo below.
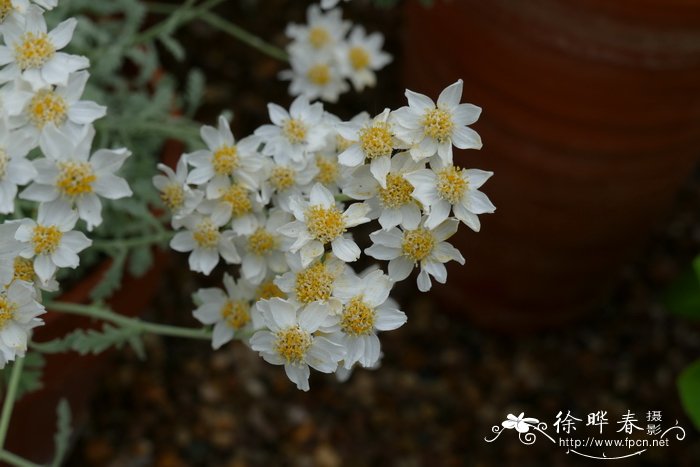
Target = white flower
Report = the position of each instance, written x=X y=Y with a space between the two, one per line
x=224 y=158
x=294 y=133
x=235 y=202
x=394 y=204
x=323 y=31
x=69 y=176
x=9 y=249
x=326 y=4
x=7 y=7
x=366 y=310
x=291 y=342
x=264 y=249
x=33 y=54
x=15 y=168
x=283 y=182
x=320 y=222
x=229 y=310
x=373 y=140
x=361 y=56
x=51 y=240
x=19 y=313
x=451 y=188
x=315 y=77
x=521 y=423
x=32 y=110
x=432 y=129
x=175 y=193
x=426 y=247
x=206 y=242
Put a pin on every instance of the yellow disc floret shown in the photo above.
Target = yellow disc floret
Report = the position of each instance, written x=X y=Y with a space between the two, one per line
x=7 y=311
x=33 y=50
x=282 y=178
x=451 y=184
x=6 y=7
x=438 y=124
x=261 y=242
x=319 y=37
x=4 y=162
x=206 y=234
x=295 y=130
x=268 y=290
x=237 y=197
x=314 y=283
x=417 y=244
x=75 y=178
x=47 y=107
x=173 y=196
x=376 y=140
x=24 y=269
x=327 y=170
x=292 y=344
x=397 y=192
x=225 y=160
x=236 y=313
x=359 y=58
x=358 y=318
x=320 y=74
x=324 y=224
x=46 y=239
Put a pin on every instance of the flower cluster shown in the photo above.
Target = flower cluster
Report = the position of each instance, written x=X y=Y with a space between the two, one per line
x=282 y=204
x=46 y=135
x=324 y=57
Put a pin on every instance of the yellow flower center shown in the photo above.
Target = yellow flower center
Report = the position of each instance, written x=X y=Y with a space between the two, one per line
x=327 y=170
x=47 y=107
x=7 y=311
x=225 y=160
x=359 y=58
x=261 y=242
x=292 y=344
x=325 y=225
x=319 y=36
x=75 y=178
x=236 y=313
x=4 y=162
x=451 y=185
x=438 y=124
x=46 y=239
x=294 y=130
x=417 y=244
x=33 y=50
x=206 y=235
x=320 y=74
x=358 y=318
x=268 y=290
x=376 y=140
x=6 y=7
x=173 y=196
x=237 y=197
x=24 y=269
x=282 y=178
x=397 y=192
x=314 y=283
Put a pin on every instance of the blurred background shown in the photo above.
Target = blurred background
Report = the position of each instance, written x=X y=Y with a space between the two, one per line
x=591 y=123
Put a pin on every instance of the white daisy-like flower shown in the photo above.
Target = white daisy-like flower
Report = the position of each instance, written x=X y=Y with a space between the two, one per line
x=177 y=196
x=34 y=54
x=204 y=238
x=326 y=4
x=373 y=140
x=236 y=203
x=319 y=222
x=7 y=7
x=321 y=33
x=283 y=182
x=315 y=77
x=229 y=310
x=366 y=310
x=432 y=129
x=69 y=176
x=424 y=247
x=19 y=314
x=450 y=188
x=295 y=133
x=263 y=250
x=9 y=249
x=361 y=56
x=290 y=340
x=223 y=159
x=393 y=204
x=32 y=110
x=51 y=241
x=15 y=169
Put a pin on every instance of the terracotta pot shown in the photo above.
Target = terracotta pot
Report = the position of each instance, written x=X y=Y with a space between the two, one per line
x=591 y=124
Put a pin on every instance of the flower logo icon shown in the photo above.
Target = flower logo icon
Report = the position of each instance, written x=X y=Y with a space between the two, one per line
x=520 y=423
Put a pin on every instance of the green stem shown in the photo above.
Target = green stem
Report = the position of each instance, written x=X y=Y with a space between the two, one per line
x=178 y=16
x=244 y=36
x=10 y=397
x=14 y=459
x=125 y=243
x=104 y=314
